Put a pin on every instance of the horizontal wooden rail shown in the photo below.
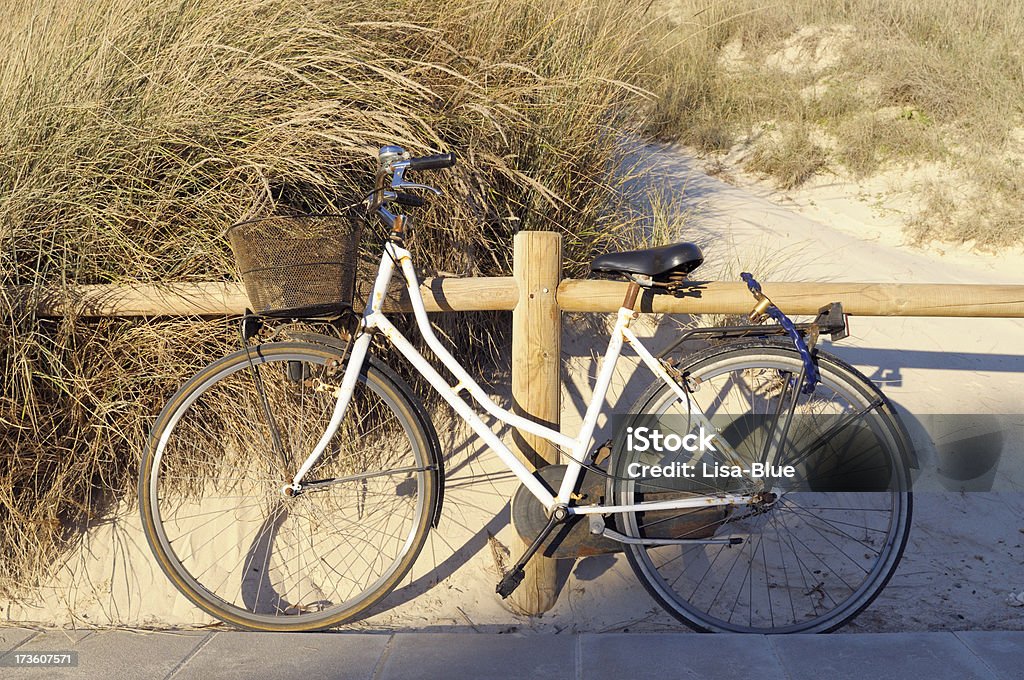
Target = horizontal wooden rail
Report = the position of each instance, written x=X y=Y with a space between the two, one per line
x=574 y=295
x=859 y=299
x=218 y=299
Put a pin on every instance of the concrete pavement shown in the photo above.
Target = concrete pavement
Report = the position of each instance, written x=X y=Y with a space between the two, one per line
x=183 y=655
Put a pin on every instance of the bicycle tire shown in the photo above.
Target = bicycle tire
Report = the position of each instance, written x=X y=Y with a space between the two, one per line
x=218 y=422
x=806 y=532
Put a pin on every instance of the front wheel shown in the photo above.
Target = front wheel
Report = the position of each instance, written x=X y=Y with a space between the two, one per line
x=817 y=543
x=228 y=534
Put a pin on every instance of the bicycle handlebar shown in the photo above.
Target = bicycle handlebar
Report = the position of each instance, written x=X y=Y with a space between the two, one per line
x=393 y=162
x=437 y=161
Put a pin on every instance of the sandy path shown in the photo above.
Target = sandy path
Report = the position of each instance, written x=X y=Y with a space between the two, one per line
x=965 y=555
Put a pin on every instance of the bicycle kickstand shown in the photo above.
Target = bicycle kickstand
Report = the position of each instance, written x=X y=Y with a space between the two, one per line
x=510 y=581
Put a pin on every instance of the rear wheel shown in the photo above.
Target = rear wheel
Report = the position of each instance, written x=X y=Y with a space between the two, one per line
x=214 y=506
x=814 y=548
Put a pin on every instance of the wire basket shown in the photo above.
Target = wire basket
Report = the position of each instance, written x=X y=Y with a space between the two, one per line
x=297 y=265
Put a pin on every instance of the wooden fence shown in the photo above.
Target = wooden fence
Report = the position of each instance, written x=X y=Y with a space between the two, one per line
x=536 y=294
x=572 y=295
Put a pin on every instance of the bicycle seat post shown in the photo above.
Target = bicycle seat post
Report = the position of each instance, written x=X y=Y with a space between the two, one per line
x=631 y=294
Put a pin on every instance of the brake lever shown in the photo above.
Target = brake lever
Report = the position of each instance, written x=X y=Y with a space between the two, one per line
x=398 y=182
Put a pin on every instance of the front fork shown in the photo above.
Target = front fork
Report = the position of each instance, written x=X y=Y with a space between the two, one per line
x=353 y=369
x=343 y=394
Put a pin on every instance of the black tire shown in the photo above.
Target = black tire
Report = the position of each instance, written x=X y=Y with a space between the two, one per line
x=211 y=489
x=850 y=492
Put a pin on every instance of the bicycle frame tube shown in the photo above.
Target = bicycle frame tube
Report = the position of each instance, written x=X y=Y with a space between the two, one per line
x=374 y=320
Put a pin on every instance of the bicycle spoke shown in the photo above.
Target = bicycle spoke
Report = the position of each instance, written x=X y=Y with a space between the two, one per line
x=240 y=544
x=796 y=539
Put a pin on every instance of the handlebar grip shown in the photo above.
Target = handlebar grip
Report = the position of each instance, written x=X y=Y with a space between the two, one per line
x=409 y=200
x=435 y=162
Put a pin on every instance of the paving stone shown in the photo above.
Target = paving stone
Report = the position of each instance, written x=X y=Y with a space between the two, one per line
x=358 y=656
x=878 y=656
x=110 y=654
x=272 y=656
x=490 y=656
x=12 y=637
x=1002 y=652
x=676 y=655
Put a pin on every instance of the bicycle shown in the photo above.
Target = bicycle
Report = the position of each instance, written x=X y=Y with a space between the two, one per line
x=290 y=485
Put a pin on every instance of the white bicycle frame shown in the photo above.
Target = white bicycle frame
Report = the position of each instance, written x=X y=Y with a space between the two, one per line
x=373 y=319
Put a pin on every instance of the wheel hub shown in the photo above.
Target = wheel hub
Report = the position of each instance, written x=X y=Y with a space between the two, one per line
x=763 y=501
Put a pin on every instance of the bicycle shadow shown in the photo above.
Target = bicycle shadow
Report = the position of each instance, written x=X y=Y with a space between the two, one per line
x=956 y=451
x=257 y=590
x=889 y=364
x=472 y=470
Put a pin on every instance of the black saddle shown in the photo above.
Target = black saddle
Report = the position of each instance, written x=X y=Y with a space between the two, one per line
x=664 y=264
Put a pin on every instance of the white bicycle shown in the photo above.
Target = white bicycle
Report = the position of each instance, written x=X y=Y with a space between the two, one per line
x=290 y=485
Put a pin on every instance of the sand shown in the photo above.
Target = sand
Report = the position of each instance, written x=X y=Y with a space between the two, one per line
x=963 y=566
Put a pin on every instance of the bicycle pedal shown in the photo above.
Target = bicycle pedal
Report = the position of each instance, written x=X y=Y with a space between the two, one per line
x=510 y=582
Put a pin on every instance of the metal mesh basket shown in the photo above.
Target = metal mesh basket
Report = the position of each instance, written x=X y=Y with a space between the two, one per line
x=297 y=265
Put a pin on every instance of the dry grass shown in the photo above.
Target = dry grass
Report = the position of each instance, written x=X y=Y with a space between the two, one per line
x=75 y=408
x=867 y=141
x=985 y=209
x=791 y=160
x=132 y=132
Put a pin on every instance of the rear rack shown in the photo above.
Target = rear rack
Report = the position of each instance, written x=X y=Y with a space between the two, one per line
x=831 y=321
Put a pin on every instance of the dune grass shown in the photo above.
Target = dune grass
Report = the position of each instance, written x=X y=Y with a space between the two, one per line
x=133 y=132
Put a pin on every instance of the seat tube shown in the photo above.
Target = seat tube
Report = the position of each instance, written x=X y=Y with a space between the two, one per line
x=597 y=403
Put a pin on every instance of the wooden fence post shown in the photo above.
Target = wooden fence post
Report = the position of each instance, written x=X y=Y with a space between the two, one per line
x=536 y=381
